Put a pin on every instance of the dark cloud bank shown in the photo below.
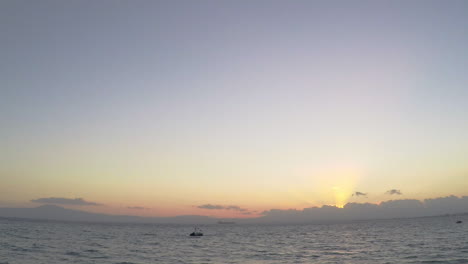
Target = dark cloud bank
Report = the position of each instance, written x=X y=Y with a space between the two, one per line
x=360 y=211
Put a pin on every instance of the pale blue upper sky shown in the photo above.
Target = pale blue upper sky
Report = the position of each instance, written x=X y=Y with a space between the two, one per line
x=259 y=89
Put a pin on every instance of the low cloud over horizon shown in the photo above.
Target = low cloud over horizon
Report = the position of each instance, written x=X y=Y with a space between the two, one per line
x=354 y=211
x=65 y=201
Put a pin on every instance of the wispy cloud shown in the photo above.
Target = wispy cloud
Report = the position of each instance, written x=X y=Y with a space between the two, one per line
x=64 y=201
x=222 y=207
x=393 y=191
x=211 y=207
x=360 y=194
x=235 y=208
x=137 y=208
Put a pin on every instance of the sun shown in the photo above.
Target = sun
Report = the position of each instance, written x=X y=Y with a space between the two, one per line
x=341 y=195
x=341 y=182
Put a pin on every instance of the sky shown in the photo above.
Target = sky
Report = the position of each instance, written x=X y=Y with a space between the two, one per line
x=231 y=108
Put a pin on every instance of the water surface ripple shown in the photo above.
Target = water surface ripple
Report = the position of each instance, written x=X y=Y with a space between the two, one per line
x=420 y=240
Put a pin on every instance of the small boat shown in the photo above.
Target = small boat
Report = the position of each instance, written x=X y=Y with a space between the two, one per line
x=459 y=222
x=196 y=233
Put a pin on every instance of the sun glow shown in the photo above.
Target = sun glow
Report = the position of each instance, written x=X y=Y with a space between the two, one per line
x=341 y=196
x=340 y=183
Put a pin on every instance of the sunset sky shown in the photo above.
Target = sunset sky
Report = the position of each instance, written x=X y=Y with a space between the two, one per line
x=169 y=106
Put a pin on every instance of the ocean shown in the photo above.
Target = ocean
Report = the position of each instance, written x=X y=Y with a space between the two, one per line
x=417 y=240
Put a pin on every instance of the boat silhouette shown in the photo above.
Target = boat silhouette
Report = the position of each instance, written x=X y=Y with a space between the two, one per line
x=196 y=232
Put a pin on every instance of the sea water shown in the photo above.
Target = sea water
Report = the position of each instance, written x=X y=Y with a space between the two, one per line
x=418 y=240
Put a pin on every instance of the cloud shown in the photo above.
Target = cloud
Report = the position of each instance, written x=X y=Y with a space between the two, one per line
x=222 y=207
x=393 y=191
x=235 y=208
x=137 y=208
x=358 y=211
x=360 y=194
x=64 y=201
x=211 y=207
x=402 y=204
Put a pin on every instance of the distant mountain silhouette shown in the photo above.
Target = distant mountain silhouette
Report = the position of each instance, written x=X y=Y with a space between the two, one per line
x=54 y=212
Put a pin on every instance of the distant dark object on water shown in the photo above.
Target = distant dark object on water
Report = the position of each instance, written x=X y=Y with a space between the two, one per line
x=196 y=233
x=459 y=221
